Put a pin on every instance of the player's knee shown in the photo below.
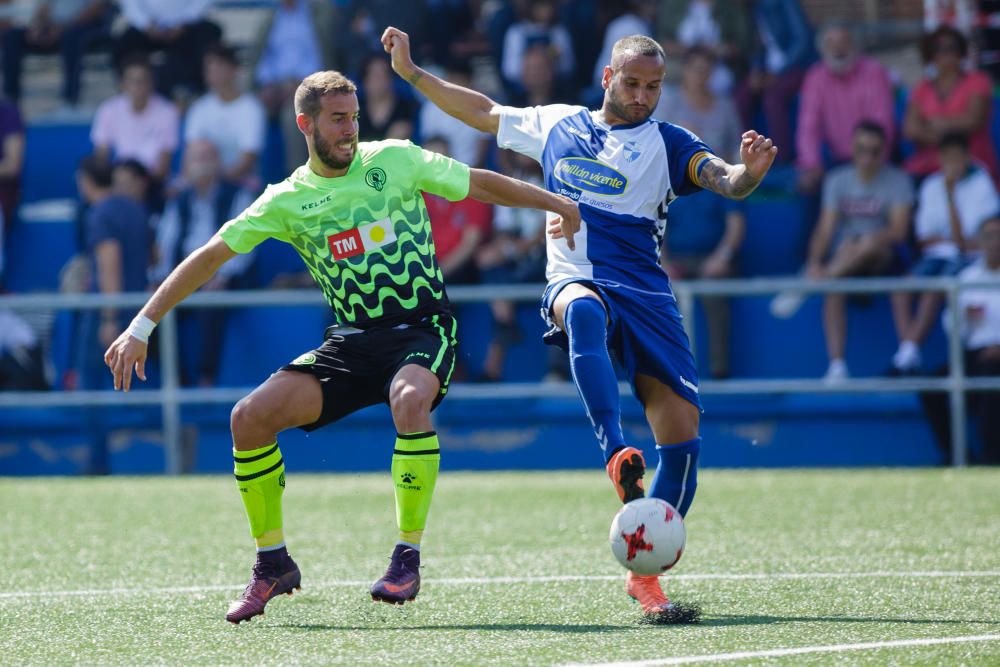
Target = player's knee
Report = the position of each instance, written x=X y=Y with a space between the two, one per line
x=408 y=402
x=584 y=316
x=248 y=420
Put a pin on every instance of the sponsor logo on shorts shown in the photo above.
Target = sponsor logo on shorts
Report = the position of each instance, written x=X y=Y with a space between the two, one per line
x=361 y=240
x=590 y=176
x=687 y=383
x=418 y=355
x=306 y=359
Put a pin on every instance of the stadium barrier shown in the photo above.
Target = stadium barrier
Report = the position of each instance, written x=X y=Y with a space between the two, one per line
x=171 y=395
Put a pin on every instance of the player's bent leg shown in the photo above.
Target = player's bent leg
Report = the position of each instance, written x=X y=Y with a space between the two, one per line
x=415 y=461
x=285 y=400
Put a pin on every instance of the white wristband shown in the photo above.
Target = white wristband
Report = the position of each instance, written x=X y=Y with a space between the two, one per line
x=140 y=328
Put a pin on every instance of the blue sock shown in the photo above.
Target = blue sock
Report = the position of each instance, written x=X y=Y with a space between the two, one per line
x=676 y=477
x=586 y=326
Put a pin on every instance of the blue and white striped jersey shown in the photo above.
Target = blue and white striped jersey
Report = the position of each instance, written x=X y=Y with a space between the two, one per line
x=623 y=177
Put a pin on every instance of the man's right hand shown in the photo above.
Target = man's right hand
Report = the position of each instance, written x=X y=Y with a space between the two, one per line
x=397 y=44
x=126 y=353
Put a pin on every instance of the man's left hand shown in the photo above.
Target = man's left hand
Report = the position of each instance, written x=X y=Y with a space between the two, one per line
x=758 y=153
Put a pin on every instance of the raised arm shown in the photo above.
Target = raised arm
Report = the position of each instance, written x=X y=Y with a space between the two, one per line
x=130 y=348
x=757 y=153
x=470 y=107
x=493 y=188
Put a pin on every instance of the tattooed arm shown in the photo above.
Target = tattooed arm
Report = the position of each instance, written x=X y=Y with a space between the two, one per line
x=737 y=181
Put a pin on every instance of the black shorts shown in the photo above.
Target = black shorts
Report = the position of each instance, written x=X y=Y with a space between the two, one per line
x=356 y=369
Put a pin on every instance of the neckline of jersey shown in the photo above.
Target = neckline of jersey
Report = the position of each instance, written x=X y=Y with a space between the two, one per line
x=325 y=182
x=596 y=115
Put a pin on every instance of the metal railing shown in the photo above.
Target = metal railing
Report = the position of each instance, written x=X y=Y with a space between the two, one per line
x=171 y=396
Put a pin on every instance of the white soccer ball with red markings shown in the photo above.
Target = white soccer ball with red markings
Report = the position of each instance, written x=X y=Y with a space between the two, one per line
x=647 y=536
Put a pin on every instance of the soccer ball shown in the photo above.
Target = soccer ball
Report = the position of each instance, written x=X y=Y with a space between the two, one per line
x=647 y=536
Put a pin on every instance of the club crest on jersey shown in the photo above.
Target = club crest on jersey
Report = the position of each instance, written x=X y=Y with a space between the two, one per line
x=590 y=176
x=631 y=151
x=361 y=240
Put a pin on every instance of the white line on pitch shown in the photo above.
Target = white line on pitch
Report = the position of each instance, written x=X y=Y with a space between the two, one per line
x=466 y=581
x=801 y=650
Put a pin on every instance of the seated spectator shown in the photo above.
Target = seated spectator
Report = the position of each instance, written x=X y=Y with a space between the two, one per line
x=980 y=315
x=129 y=178
x=118 y=245
x=190 y=219
x=514 y=254
x=724 y=27
x=468 y=145
x=365 y=20
x=778 y=69
x=177 y=29
x=384 y=113
x=227 y=116
x=290 y=46
x=951 y=100
x=67 y=27
x=137 y=123
x=838 y=93
x=865 y=219
x=458 y=228
x=11 y=160
x=952 y=205
x=538 y=28
x=22 y=362
x=538 y=83
x=636 y=18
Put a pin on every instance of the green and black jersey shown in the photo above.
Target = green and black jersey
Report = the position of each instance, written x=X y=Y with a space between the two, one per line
x=366 y=236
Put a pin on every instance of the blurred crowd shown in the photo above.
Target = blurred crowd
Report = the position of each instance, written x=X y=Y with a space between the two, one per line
x=894 y=181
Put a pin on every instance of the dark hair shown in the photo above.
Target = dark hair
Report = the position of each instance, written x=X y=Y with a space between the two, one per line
x=223 y=52
x=97 y=170
x=929 y=42
x=699 y=51
x=318 y=84
x=135 y=59
x=437 y=137
x=954 y=140
x=461 y=66
x=870 y=127
x=369 y=60
x=134 y=167
x=640 y=45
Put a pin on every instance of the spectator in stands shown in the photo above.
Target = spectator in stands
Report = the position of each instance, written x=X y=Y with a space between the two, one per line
x=11 y=161
x=118 y=244
x=467 y=144
x=953 y=203
x=137 y=123
x=725 y=27
x=637 y=18
x=130 y=178
x=177 y=29
x=22 y=364
x=538 y=82
x=539 y=27
x=979 y=310
x=384 y=113
x=190 y=219
x=864 y=221
x=705 y=231
x=953 y=99
x=364 y=21
x=67 y=27
x=778 y=69
x=838 y=93
x=459 y=228
x=227 y=116
x=515 y=253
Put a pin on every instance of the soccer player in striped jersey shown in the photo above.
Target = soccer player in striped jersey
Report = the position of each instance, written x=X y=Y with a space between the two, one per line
x=607 y=290
x=356 y=216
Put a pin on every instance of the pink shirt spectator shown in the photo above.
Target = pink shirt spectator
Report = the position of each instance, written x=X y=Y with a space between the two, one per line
x=143 y=135
x=925 y=160
x=832 y=105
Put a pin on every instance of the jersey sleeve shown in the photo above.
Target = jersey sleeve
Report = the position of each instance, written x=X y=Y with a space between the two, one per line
x=439 y=174
x=257 y=223
x=525 y=129
x=685 y=156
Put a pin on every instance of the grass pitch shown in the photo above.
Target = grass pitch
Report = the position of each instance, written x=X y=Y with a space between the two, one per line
x=517 y=570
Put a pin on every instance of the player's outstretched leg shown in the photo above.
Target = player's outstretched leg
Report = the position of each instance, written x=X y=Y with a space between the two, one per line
x=285 y=400
x=585 y=323
x=415 y=461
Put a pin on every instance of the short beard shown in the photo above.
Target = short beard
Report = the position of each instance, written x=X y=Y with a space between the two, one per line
x=322 y=148
x=621 y=111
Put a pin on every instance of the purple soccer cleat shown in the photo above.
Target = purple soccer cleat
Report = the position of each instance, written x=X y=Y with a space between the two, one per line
x=267 y=582
x=401 y=582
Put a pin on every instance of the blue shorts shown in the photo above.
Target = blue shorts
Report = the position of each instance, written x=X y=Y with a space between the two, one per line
x=931 y=267
x=646 y=335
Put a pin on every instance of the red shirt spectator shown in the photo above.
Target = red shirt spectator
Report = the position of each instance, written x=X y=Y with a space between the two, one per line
x=458 y=228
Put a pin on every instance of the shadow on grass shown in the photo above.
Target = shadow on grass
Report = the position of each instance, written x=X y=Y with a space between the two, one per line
x=495 y=627
x=723 y=620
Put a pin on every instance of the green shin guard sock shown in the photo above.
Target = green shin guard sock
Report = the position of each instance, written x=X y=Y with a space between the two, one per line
x=415 y=462
x=260 y=476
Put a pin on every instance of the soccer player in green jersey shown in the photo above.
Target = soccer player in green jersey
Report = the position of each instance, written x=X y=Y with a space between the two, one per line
x=356 y=216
